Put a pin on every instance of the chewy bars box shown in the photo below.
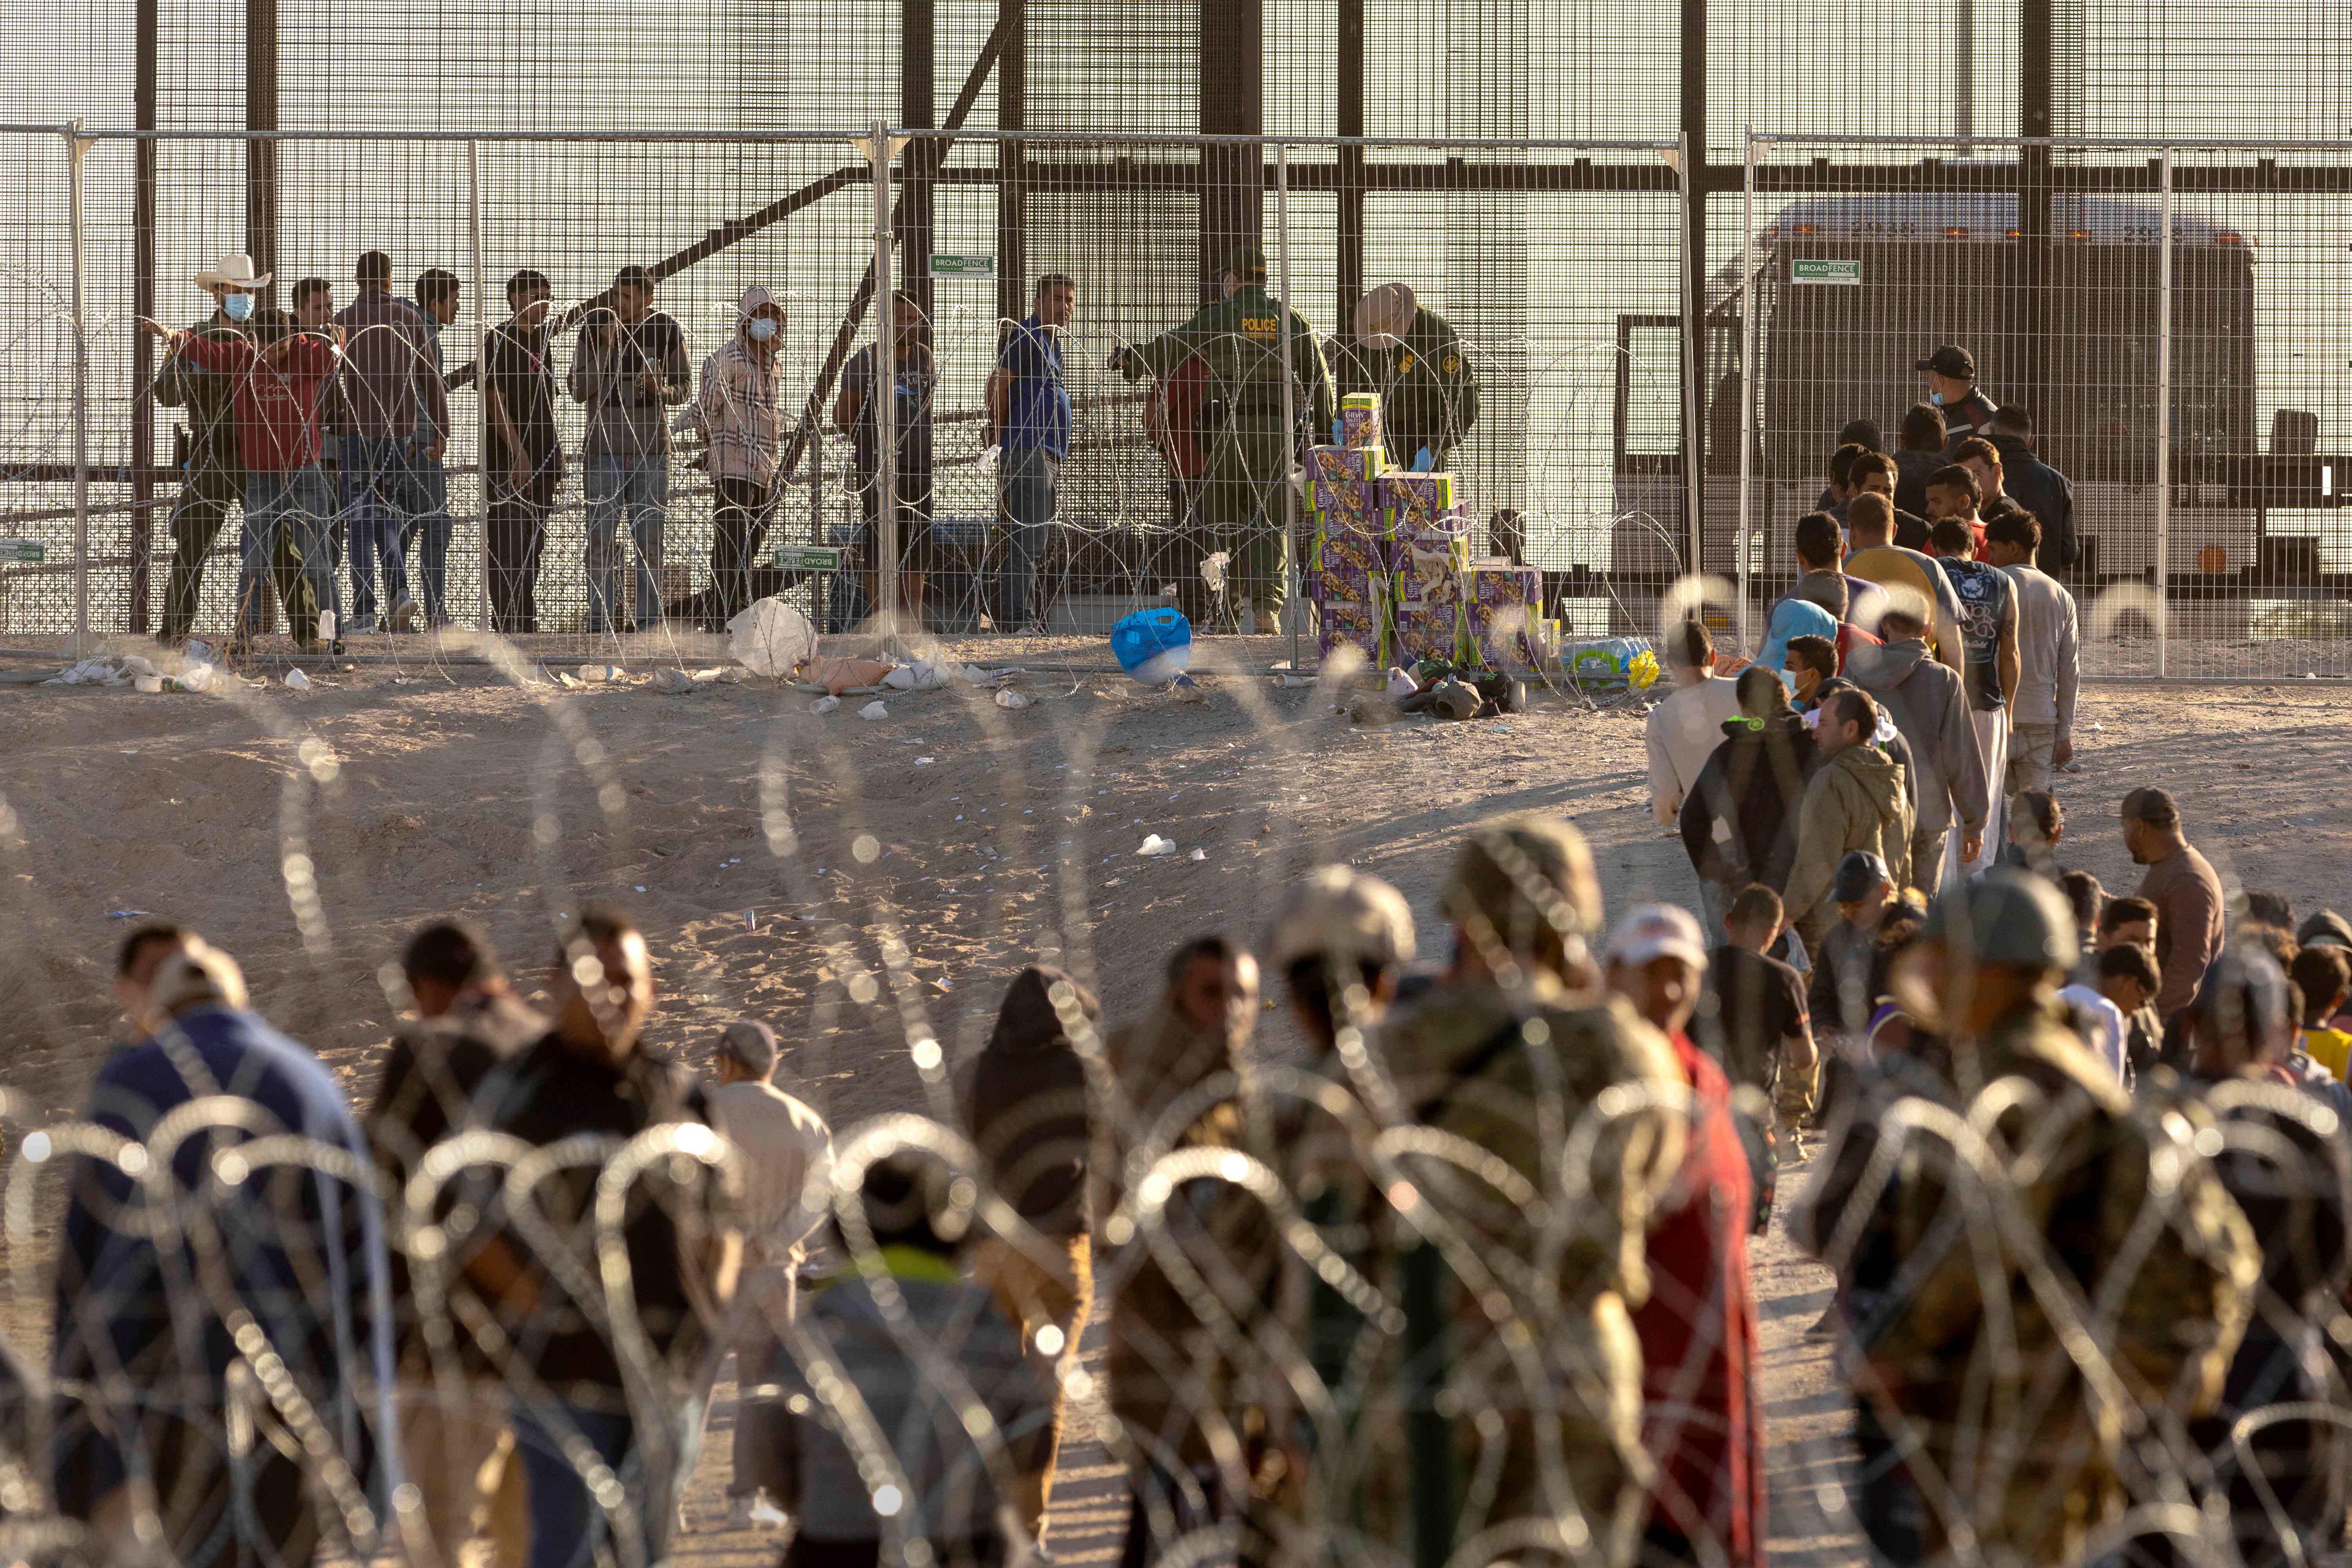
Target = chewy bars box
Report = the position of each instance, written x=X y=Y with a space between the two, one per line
x=1411 y=500
x=1448 y=530
x=1349 y=547
x=1500 y=606
x=1360 y=624
x=1343 y=484
x=1360 y=421
x=1343 y=583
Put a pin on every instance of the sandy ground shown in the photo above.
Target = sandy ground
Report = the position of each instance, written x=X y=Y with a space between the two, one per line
x=731 y=820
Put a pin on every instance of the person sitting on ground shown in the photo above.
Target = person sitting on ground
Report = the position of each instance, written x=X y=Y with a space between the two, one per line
x=1683 y=731
x=2324 y=975
x=1024 y=1103
x=1701 y=1417
x=786 y=1151
x=2128 y=976
x=909 y=1335
x=1809 y=662
x=1739 y=823
x=1855 y=800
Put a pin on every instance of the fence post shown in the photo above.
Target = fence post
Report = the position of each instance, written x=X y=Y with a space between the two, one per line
x=1289 y=398
x=2163 y=411
x=1750 y=406
x=75 y=147
x=882 y=394
x=481 y=362
x=1694 y=431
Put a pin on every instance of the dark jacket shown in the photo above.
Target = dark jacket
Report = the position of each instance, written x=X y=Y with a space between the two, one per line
x=1911 y=471
x=209 y=398
x=1024 y=1105
x=1739 y=820
x=2046 y=493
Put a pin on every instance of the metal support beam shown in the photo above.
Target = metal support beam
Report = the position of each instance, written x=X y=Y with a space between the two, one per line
x=1350 y=79
x=1233 y=103
x=1011 y=191
x=261 y=151
x=917 y=111
x=1693 y=308
x=2036 y=255
x=142 y=306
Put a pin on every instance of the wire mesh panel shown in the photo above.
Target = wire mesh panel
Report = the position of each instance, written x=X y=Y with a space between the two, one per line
x=2041 y=263
x=36 y=371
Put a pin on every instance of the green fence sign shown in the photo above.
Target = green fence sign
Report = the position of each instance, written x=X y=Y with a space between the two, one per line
x=1817 y=271
x=31 y=551
x=808 y=558
x=946 y=266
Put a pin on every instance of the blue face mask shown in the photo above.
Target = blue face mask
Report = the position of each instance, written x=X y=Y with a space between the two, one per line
x=763 y=328
x=1936 y=398
x=237 y=306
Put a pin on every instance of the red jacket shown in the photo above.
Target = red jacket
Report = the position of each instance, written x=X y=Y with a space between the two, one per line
x=1850 y=637
x=276 y=406
x=1701 y=1419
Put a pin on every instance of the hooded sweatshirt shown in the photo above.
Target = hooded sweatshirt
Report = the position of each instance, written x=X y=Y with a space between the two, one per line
x=1026 y=1105
x=1739 y=823
x=1932 y=712
x=1856 y=800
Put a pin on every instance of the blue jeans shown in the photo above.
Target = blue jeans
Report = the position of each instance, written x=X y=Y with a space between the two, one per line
x=382 y=497
x=634 y=491
x=299 y=507
x=567 y=1525
x=1031 y=477
x=432 y=530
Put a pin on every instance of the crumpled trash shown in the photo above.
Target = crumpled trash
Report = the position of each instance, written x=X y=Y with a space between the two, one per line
x=1198 y=855
x=148 y=685
x=138 y=666
x=988 y=459
x=1213 y=570
x=1400 y=684
x=1011 y=699
x=1154 y=846
x=102 y=670
x=840 y=675
x=199 y=677
x=566 y=679
x=873 y=709
x=770 y=638
x=923 y=675
x=673 y=680
x=824 y=704
x=297 y=681
x=594 y=673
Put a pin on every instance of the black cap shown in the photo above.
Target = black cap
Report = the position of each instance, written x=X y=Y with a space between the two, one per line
x=1857 y=875
x=634 y=277
x=1952 y=361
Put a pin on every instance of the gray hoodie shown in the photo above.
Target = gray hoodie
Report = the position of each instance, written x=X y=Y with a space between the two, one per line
x=1932 y=711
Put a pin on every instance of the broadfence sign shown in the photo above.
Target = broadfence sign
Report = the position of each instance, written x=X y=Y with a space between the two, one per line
x=944 y=264
x=808 y=558
x=1820 y=270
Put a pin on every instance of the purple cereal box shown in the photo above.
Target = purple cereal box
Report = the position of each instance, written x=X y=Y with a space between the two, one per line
x=1359 y=420
x=1415 y=498
x=1357 y=625
x=1427 y=631
x=1364 y=553
x=1337 y=463
x=1340 y=584
x=1356 y=501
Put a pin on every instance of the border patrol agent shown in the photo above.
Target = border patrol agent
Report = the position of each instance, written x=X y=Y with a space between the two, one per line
x=1240 y=340
x=1429 y=393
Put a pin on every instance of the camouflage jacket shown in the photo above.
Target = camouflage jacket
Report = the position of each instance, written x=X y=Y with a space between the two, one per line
x=1240 y=340
x=1428 y=391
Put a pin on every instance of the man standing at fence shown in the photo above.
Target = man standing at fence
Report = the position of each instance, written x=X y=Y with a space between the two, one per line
x=214 y=476
x=1241 y=338
x=390 y=385
x=1952 y=388
x=912 y=380
x=1429 y=394
x=737 y=415
x=628 y=366
x=524 y=461
x=436 y=297
x=1029 y=406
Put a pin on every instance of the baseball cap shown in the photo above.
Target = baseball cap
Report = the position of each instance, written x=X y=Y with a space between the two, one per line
x=1951 y=360
x=633 y=275
x=1524 y=873
x=2006 y=917
x=2326 y=929
x=752 y=1043
x=1856 y=874
x=2151 y=805
x=1247 y=261
x=1340 y=914
x=1658 y=931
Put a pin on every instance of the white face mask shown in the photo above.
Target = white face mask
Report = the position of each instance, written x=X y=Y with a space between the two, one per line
x=763 y=328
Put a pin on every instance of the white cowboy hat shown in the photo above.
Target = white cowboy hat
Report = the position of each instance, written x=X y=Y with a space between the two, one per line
x=235 y=271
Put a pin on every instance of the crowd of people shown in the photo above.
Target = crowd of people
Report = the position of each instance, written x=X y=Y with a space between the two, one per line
x=329 y=429
x=1472 y=1268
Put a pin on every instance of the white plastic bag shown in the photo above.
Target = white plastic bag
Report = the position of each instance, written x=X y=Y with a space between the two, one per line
x=770 y=638
x=873 y=709
x=1154 y=846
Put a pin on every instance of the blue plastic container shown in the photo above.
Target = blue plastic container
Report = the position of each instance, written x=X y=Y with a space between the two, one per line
x=1154 y=647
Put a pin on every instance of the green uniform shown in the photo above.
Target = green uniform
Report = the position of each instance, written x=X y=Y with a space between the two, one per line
x=1429 y=394
x=1240 y=341
x=1964 y=1353
x=216 y=474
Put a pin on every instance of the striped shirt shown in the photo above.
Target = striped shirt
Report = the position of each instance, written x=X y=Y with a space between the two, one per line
x=738 y=416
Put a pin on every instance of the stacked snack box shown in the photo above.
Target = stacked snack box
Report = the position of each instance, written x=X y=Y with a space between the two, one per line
x=1430 y=545
x=1359 y=420
x=1501 y=604
x=1349 y=566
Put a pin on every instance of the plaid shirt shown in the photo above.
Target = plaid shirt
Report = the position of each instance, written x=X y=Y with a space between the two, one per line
x=737 y=413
